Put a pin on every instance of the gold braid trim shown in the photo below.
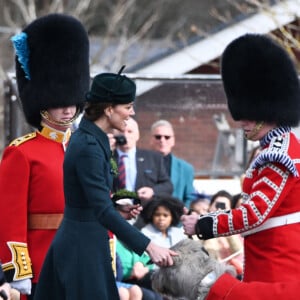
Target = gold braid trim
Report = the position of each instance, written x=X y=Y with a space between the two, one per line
x=20 y=140
x=47 y=117
x=20 y=262
x=256 y=129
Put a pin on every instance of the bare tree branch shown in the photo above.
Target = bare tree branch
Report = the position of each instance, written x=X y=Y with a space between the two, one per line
x=28 y=11
x=56 y=6
x=8 y=19
x=82 y=7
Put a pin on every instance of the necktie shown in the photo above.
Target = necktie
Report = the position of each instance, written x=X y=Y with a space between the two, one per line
x=122 y=172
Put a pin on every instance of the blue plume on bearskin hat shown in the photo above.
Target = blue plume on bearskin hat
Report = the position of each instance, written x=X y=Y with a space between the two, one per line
x=260 y=81
x=52 y=65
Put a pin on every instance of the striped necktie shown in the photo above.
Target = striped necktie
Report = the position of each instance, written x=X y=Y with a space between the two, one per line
x=122 y=172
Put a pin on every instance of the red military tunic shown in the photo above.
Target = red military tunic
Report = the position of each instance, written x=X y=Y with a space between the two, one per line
x=229 y=288
x=32 y=200
x=271 y=189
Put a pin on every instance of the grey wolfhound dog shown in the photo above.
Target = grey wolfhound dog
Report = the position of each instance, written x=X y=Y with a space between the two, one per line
x=192 y=274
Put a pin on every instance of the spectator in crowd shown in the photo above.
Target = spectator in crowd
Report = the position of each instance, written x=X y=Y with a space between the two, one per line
x=134 y=266
x=145 y=172
x=137 y=270
x=129 y=291
x=126 y=291
x=224 y=247
x=200 y=204
x=237 y=200
x=221 y=200
x=264 y=97
x=131 y=269
x=180 y=171
x=78 y=263
x=162 y=217
x=52 y=79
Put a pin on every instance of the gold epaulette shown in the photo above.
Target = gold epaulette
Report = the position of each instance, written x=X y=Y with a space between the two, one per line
x=20 y=262
x=20 y=140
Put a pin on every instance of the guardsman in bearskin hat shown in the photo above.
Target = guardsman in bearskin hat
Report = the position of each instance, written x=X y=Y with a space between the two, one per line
x=263 y=93
x=78 y=264
x=52 y=70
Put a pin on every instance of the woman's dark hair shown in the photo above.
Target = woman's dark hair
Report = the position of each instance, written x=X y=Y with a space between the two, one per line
x=221 y=193
x=235 y=199
x=174 y=205
x=93 y=111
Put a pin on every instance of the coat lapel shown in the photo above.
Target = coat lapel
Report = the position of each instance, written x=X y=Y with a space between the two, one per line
x=98 y=133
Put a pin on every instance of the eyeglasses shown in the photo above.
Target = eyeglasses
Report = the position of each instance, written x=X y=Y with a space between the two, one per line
x=159 y=137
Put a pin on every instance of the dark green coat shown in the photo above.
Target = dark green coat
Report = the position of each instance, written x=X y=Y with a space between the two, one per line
x=78 y=264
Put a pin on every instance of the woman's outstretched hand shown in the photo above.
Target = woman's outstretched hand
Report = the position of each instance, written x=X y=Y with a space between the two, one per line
x=160 y=256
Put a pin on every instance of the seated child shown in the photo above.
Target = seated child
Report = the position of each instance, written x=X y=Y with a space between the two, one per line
x=200 y=204
x=162 y=217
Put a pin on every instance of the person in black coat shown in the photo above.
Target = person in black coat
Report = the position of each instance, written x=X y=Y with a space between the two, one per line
x=79 y=264
x=145 y=170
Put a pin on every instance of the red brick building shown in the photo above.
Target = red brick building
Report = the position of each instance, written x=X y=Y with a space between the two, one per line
x=190 y=106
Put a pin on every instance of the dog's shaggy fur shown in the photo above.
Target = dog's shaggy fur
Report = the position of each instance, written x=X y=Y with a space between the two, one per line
x=183 y=280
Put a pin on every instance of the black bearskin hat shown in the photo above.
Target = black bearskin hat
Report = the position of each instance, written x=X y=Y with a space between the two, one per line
x=52 y=65
x=260 y=81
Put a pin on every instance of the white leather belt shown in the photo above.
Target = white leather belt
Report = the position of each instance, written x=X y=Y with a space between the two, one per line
x=275 y=222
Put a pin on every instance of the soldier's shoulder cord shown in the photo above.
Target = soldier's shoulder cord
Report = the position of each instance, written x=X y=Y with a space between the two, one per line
x=20 y=140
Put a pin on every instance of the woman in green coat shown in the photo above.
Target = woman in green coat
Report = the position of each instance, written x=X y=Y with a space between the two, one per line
x=78 y=265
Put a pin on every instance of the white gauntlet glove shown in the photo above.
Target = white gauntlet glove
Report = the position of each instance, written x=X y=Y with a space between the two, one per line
x=23 y=286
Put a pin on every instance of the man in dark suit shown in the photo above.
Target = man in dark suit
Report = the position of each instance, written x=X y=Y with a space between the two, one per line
x=145 y=170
